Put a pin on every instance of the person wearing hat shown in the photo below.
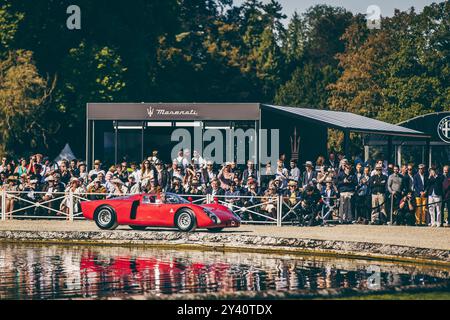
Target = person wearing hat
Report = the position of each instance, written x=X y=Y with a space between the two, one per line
x=82 y=172
x=309 y=175
x=96 y=190
x=420 y=183
x=97 y=169
x=329 y=192
x=51 y=190
x=31 y=194
x=132 y=186
x=377 y=186
x=76 y=189
x=225 y=176
x=292 y=195
x=119 y=188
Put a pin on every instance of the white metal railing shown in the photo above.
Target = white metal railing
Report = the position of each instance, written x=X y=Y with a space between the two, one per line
x=270 y=210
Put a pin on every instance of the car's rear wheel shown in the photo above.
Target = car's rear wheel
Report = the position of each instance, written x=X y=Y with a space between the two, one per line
x=106 y=218
x=215 y=230
x=138 y=228
x=185 y=221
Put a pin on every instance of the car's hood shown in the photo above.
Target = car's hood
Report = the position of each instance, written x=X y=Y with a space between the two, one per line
x=222 y=212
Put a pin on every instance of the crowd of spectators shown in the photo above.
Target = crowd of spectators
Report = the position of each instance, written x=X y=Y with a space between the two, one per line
x=352 y=191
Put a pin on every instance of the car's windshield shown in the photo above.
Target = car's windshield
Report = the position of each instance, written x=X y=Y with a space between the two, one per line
x=175 y=199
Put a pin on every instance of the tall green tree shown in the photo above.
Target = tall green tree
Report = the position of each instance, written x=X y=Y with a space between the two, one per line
x=313 y=40
x=25 y=114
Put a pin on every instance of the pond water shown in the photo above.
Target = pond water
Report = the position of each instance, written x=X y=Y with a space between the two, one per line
x=68 y=272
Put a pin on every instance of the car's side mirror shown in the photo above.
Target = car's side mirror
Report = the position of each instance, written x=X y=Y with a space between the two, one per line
x=190 y=199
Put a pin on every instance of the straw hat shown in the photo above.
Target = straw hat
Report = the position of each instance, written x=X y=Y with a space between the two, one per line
x=12 y=178
x=308 y=164
x=74 y=179
x=292 y=183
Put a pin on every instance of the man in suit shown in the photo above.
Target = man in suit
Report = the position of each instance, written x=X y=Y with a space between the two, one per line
x=309 y=175
x=377 y=186
x=215 y=189
x=420 y=182
x=332 y=162
x=408 y=180
x=162 y=176
x=208 y=174
x=250 y=172
x=347 y=182
x=435 y=193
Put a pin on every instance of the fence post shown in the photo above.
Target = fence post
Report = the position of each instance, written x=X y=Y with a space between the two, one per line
x=3 y=205
x=392 y=209
x=280 y=211
x=71 y=206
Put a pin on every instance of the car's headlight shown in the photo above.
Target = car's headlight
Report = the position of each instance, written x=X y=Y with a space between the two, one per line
x=212 y=216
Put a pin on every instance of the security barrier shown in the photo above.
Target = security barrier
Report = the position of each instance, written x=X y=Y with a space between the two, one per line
x=261 y=210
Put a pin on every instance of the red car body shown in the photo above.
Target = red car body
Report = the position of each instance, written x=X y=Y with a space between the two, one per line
x=141 y=211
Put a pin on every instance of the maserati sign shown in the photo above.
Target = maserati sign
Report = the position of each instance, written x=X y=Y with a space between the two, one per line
x=444 y=129
x=151 y=111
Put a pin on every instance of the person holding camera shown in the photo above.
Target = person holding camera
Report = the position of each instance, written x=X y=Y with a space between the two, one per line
x=310 y=207
x=406 y=214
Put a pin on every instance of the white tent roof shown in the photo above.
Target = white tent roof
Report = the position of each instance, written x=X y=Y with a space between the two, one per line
x=66 y=154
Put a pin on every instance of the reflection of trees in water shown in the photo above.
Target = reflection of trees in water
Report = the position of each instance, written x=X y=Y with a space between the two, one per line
x=55 y=272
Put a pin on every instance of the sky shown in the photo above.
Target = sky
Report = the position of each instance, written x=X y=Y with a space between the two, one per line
x=387 y=7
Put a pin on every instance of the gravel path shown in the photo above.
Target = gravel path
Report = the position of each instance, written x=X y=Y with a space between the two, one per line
x=429 y=238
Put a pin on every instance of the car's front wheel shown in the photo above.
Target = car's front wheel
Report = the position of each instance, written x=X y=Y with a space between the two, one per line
x=106 y=218
x=185 y=221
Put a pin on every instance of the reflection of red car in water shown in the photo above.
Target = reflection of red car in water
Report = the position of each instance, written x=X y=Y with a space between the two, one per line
x=167 y=210
x=152 y=269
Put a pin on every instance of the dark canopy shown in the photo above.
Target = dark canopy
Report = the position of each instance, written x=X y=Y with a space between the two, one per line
x=346 y=121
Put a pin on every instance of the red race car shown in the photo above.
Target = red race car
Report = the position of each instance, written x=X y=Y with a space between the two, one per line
x=166 y=210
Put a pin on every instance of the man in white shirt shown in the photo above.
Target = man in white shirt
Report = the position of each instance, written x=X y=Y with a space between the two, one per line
x=294 y=174
x=96 y=169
